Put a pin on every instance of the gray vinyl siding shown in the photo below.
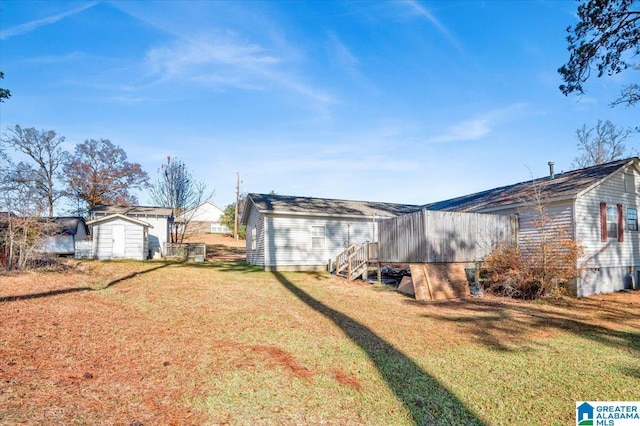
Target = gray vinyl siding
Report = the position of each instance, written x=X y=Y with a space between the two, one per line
x=612 y=265
x=256 y=220
x=610 y=253
x=288 y=239
x=554 y=221
x=134 y=242
x=158 y=233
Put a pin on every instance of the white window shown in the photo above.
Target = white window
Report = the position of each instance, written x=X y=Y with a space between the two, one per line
x=217 y=228
x=612 y=222
x=632 y=219
x=318 y=236
x=254 y=238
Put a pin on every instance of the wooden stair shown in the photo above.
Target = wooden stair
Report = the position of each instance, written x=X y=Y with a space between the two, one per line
x=355 y=260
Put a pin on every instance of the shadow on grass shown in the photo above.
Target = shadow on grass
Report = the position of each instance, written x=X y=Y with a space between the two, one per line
x=630 y=371
x=505 y=326
x=426 y=399
x=224 y=266
x=85 y=288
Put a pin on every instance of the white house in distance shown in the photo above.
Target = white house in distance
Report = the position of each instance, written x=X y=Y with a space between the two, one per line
x=596 y=206
x=136 y=232
x=302 y=233
x=205 y=219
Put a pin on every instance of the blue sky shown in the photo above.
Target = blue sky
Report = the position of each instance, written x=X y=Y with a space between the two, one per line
x=398 y=101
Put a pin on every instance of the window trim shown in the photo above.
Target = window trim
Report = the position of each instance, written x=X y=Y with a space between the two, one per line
x=605 y=222
x=612 y=222
x=632 y=219
x=322 y=238
x=254 y=238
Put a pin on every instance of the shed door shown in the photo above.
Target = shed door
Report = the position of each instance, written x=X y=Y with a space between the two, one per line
x=117 y=233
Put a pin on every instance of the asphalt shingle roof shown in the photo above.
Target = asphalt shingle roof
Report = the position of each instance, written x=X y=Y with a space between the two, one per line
x=132 y=210
x=293 y=204
x=564 y=185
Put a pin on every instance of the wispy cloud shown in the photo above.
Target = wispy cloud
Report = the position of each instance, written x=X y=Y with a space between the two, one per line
x=417 y=9
x=221 y=60
x=32 y=25
x=341 y=54
x=480 y=126
x=48 y=60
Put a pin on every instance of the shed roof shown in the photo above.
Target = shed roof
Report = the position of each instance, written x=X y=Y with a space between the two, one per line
x=119 y=216
x=283 y=204
x=133 y=210
x=567 y=185
x=67 y=225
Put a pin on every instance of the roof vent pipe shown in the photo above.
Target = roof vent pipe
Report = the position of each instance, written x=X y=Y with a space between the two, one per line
x=551 y=174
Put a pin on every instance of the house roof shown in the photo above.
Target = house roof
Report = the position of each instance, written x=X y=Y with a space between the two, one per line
x=283 y=204
x=132 y=210
x=119 y=216
x=563 y=186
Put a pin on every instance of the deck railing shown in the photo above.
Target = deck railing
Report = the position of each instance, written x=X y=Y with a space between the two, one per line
x=354 y=261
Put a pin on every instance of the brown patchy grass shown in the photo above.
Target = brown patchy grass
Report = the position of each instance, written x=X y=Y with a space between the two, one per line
x=170 y=343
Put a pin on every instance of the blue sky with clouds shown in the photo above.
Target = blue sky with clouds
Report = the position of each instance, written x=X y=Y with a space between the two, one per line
x=399 y=101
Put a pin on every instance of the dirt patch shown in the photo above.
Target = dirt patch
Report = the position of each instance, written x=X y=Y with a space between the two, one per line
x=284 y=359
x=221 y=248
x=216 y=239
x=347 y=379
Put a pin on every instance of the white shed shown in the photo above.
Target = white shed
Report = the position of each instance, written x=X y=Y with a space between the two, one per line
x=120 y=237
x=159 y=219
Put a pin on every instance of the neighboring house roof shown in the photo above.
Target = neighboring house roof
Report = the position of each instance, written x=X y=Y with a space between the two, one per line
x=133 y=210
x=563 y=186
x=66 y=225
x=119 y=216
x=282 y=204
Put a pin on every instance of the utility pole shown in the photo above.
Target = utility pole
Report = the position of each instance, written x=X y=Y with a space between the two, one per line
x=235 y=224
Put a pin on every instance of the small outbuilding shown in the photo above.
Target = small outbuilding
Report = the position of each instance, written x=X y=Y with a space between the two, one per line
x=158 y=219
x=62 y=235
x=117 y=236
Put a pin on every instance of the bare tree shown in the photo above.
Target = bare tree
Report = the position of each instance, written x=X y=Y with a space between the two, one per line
x=546 y=258
x=178 y=190
x=44 y=148
x=99 y=173
x=22 y=226
x=601 y=144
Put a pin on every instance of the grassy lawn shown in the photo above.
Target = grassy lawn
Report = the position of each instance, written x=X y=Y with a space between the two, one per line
x=160 y=343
